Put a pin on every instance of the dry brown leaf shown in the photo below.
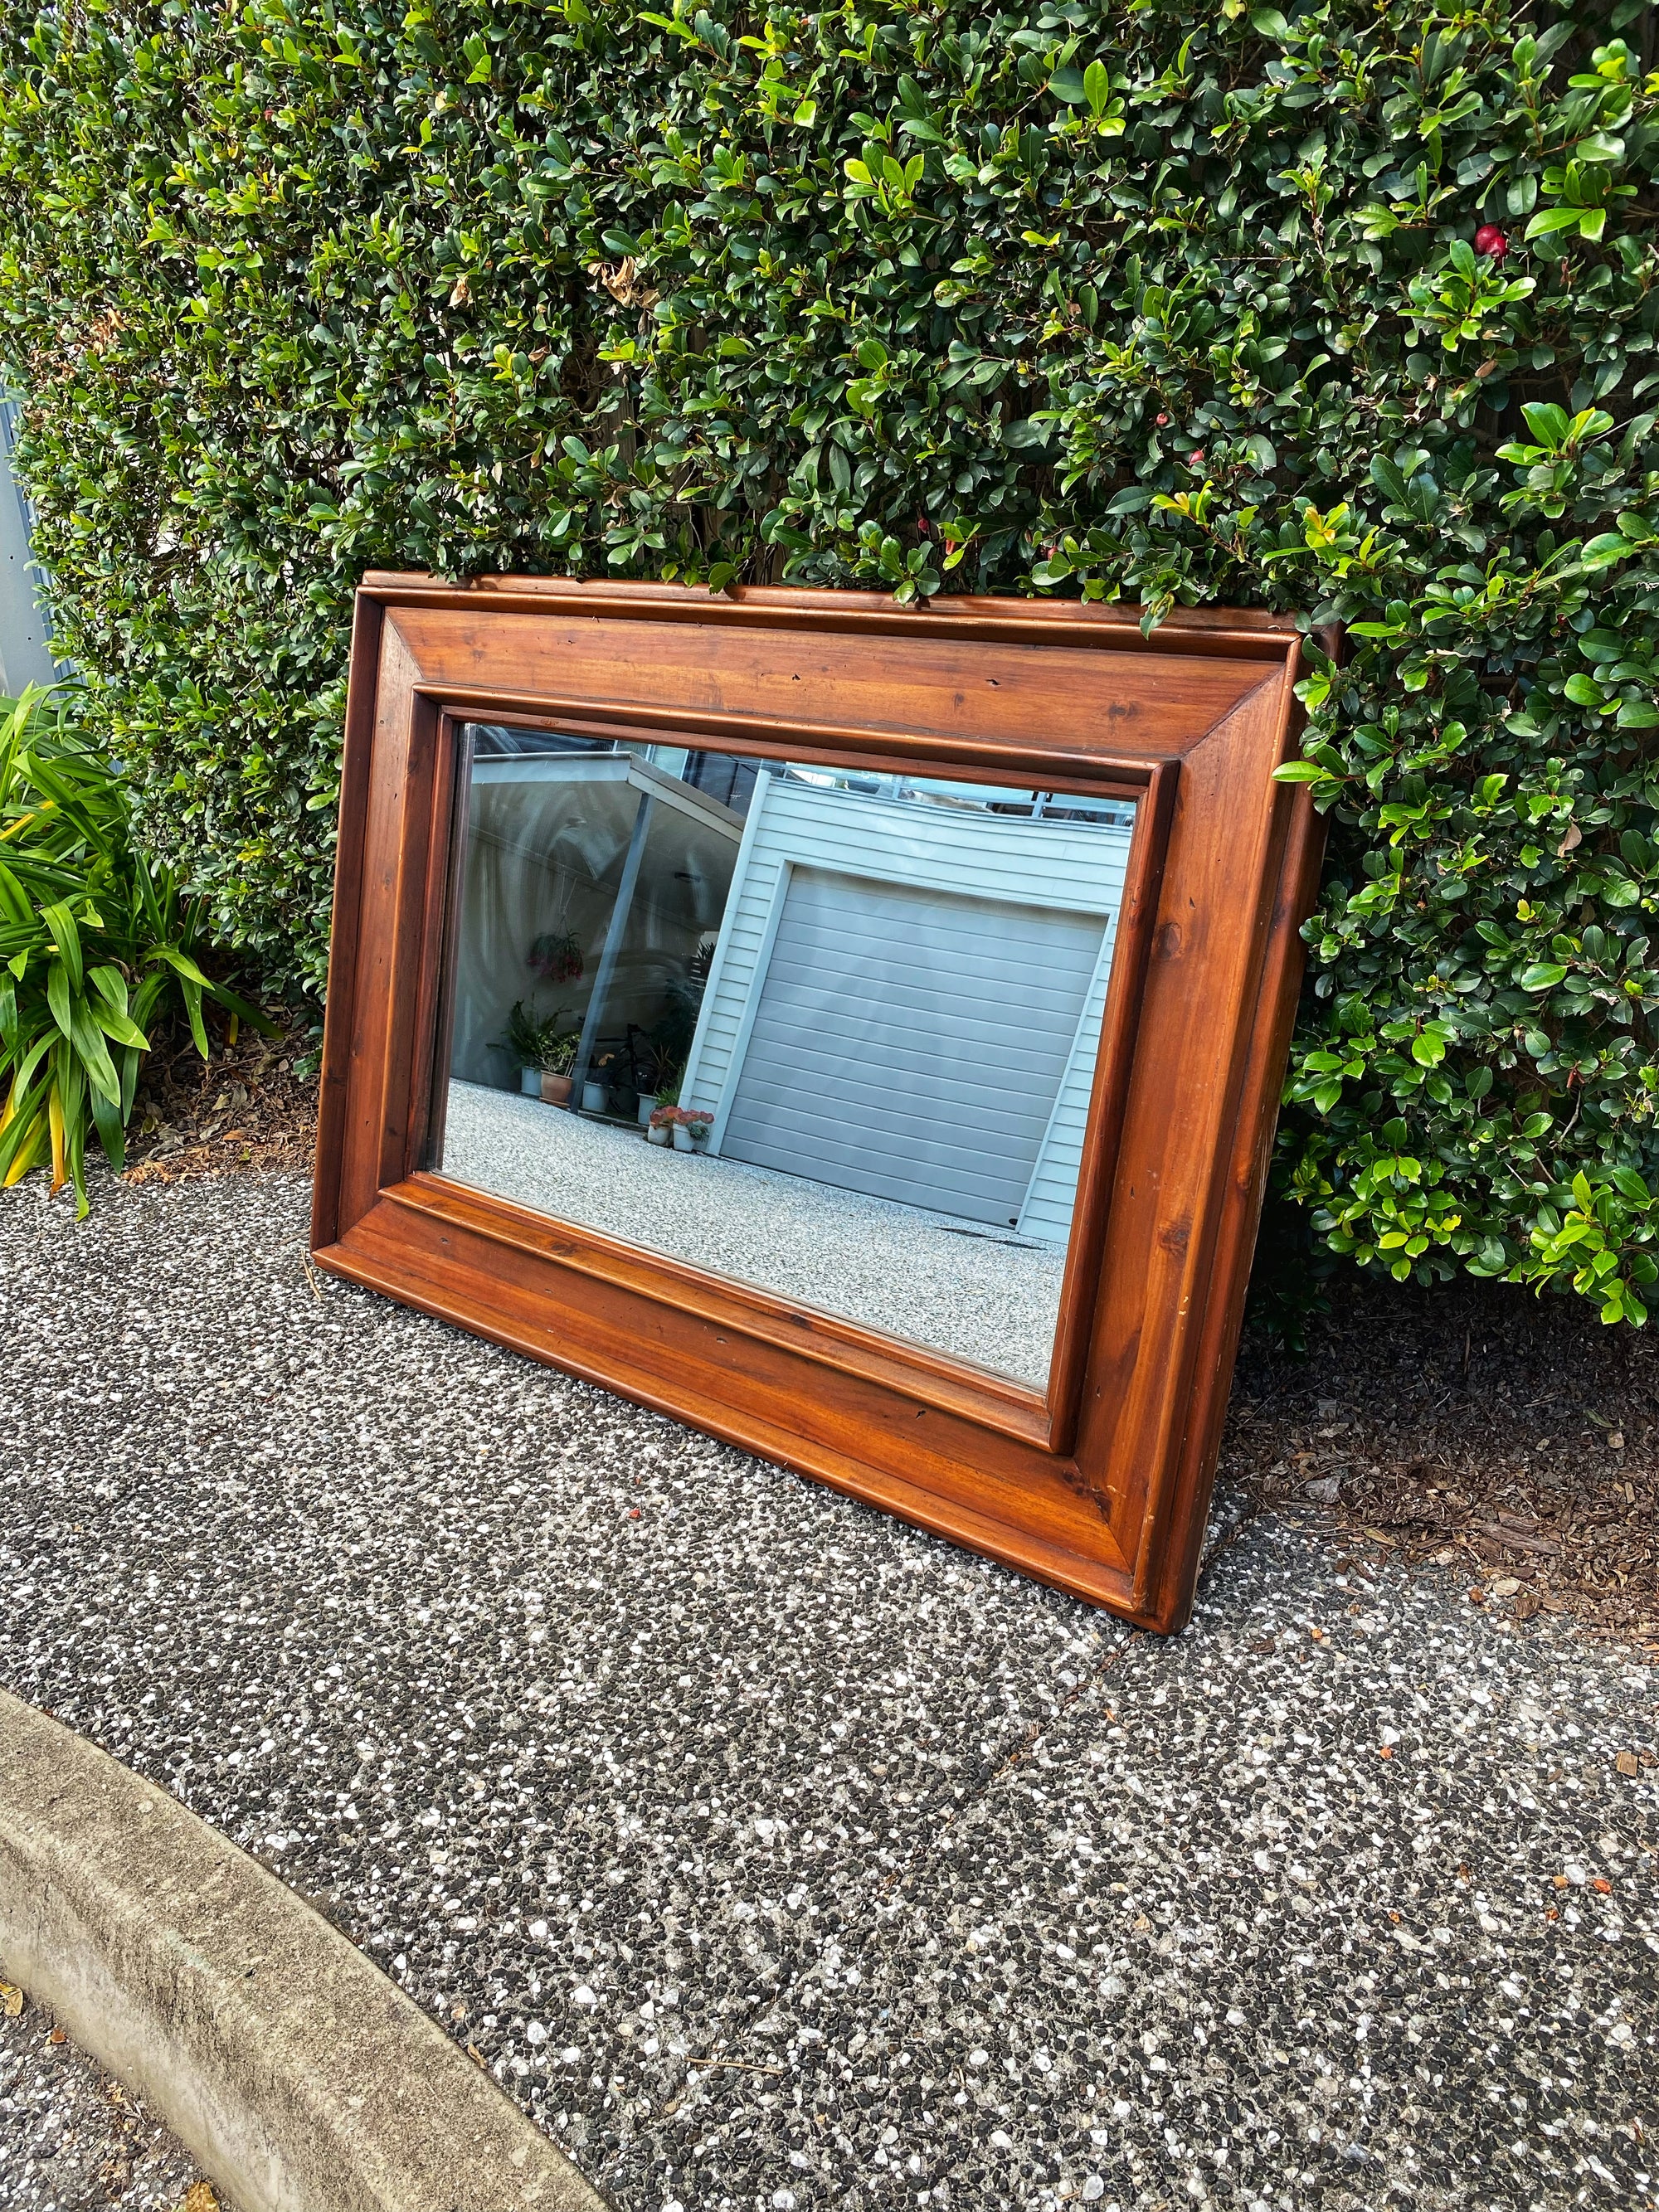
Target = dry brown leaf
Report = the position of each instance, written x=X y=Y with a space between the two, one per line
x=623 y=283
x=1628 y=1763
x=1520 y=1539
x=11 y=2000
x=199 y=2197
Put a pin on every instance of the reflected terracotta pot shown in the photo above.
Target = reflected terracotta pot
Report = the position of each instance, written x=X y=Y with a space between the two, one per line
x=555 y=1089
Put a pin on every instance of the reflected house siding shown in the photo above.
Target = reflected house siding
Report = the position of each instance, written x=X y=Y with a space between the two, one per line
x=910 y=1043
x=799 y=832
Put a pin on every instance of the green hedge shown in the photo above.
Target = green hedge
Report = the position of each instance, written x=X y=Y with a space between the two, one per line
x=1173 y=305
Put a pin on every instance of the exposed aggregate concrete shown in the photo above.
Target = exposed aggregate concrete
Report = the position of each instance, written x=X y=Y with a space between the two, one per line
x=622 y=1751
x=72 y=2138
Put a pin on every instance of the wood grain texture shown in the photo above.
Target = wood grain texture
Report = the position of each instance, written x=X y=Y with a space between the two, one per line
x=1100 y=1484
x=1191 y=1051
x=356 y=769
x=1071 y=702
x=1174 y=1531
x=1114 y=1066
x=1252 y=633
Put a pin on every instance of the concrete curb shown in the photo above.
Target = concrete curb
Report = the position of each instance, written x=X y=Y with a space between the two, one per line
x=293 y=2072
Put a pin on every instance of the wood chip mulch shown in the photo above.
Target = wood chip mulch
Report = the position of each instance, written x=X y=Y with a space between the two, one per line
x=249 y=1107
x=1512 y=1438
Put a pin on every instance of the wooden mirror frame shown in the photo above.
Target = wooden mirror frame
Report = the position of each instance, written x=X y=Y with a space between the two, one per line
x=1098 y=1485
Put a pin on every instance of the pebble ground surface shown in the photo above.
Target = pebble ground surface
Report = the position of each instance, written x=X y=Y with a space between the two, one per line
x=73 y=2140
x=775 y=1856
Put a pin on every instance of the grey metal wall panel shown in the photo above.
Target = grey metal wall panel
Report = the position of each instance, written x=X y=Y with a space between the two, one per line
x=911 y=1043
x=25 y=634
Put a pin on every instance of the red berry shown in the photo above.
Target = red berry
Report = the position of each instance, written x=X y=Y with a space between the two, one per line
x=1195 y=460
x=1490 y=240
x=1162 y=421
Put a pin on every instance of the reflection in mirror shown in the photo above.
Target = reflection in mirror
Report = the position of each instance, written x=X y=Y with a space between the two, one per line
x=828 y=1032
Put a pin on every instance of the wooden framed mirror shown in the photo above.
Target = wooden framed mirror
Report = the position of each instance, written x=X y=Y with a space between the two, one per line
x=855 y=1031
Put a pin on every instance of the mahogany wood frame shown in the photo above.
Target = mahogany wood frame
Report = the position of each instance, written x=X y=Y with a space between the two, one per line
x=1098 y=1485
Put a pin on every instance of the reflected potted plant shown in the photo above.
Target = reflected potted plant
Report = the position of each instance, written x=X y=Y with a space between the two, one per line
x=527 y=1036
x=660 y=1123
x=648 y=1066
x=691 y=1129
x=558 y=1059
x=668 y=1093
x=596 y=1087
x=557 y=955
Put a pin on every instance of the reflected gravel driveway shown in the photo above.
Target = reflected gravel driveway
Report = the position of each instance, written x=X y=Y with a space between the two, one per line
x=986 y=1296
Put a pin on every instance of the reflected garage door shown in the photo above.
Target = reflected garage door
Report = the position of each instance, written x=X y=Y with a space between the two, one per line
x=911 y=1043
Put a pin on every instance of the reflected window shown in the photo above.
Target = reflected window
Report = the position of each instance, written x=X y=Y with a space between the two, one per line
x=828 y=1032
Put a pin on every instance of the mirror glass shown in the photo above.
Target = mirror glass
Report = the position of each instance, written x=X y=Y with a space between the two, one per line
x=825 y=1031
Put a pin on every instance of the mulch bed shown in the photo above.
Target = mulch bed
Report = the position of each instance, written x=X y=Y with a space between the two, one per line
x=248 y=1107
x=1512 y=1437
x=1474 y=1424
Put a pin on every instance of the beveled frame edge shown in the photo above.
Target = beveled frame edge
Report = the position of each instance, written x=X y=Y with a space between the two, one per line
x=358 y=755
x=1045 y=1418
x=1153 y=1585
x=1235 y=633
x=1175 y=1544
